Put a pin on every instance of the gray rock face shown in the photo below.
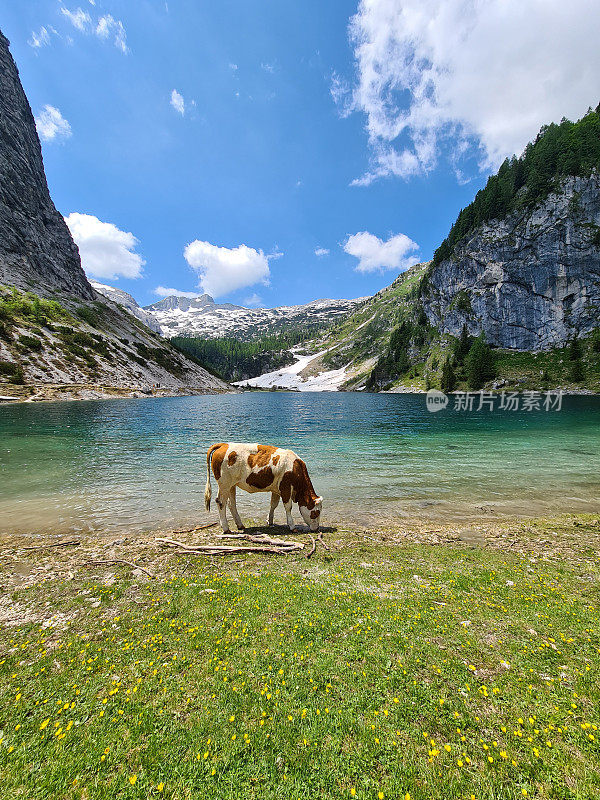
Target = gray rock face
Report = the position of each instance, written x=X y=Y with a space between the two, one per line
x=36 y=248
x=200 y=303
x=530 y=281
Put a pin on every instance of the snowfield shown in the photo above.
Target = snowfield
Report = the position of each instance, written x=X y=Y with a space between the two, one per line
x=290 y=377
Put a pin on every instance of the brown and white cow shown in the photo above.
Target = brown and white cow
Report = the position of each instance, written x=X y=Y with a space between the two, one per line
x=261 y=468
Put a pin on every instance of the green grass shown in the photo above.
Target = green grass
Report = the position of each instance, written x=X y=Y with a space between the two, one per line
x=433 y=672
x=528 y=368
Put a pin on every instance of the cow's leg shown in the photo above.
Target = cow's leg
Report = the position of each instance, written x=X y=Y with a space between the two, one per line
x=234 y=511
x=288 y=514
x=222 y=498
x=274 y=504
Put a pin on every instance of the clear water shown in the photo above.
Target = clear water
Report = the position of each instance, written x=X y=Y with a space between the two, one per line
x=120 y=465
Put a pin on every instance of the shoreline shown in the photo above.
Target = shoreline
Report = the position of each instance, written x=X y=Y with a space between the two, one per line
x=65 y=392
x=40 y=393
x=30 y=556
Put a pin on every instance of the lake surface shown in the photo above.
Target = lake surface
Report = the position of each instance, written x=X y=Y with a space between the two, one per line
x=118 y=465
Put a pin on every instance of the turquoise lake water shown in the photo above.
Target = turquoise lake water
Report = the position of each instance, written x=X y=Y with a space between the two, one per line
x=118 y=465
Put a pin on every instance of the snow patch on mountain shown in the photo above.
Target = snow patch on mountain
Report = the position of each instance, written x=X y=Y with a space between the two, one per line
x=292 y=377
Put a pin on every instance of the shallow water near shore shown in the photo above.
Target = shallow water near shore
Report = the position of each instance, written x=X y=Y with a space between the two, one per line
x=131 y=465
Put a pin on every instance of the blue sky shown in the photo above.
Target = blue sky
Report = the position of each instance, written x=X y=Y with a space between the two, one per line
x=234 y=139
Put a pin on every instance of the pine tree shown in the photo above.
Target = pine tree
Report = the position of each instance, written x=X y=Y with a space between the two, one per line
x=448 y=380
x=574 y=351
x=576 y=374
x=462 y=345
x=479 y=363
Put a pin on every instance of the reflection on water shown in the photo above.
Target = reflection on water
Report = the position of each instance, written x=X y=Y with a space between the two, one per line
x=141 y=464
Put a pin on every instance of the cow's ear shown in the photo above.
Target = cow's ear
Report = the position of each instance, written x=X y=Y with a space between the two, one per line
x=319 y=500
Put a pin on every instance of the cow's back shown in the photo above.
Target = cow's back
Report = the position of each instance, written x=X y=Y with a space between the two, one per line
x=253 y=467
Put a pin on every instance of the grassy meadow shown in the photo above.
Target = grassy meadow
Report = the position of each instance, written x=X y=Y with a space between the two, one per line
x=426 y=664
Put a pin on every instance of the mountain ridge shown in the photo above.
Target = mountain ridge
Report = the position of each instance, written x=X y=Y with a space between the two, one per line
x=204 y=318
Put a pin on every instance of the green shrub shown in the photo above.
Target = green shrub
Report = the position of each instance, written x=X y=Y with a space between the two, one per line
x=462 y=346
x=89 y=315
x=462 y=302
x=8 y=367
x=28 y=306
x=30 y=343
x=18 y=377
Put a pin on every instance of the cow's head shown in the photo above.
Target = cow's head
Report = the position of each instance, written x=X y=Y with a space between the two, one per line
x=312 y=516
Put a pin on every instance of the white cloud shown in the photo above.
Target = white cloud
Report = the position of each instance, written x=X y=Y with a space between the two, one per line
x=254 y=301
x=375 y=255
x=108 y=26
x=321 y=251
x=79 y=18
x=51 y=125
x=442 y=74
x=178 y=102
x=106 y=251
x=163 y=291
x=223 y=270
x=42 y=38
x=233 y=67
x=340 y=92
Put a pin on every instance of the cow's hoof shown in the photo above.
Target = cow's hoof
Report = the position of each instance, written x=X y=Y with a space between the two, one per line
x=241 y=527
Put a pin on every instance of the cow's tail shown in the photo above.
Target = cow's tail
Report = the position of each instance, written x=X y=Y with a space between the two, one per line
x=208 y=490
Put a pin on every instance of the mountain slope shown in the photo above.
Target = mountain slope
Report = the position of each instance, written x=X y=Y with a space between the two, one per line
x=88 y=346
x=59 y=330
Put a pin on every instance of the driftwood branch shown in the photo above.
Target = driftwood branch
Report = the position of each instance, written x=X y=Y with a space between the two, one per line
x=118 y=561
x=70 y=543
x=314 y=546
x=220 y=549
x=260 y=539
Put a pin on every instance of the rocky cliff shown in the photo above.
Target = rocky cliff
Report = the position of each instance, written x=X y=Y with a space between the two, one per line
x=59 y=331
x=530 y=281
x=36 y=248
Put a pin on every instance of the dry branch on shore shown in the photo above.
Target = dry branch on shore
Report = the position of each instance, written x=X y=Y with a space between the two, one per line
x=265 y=545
